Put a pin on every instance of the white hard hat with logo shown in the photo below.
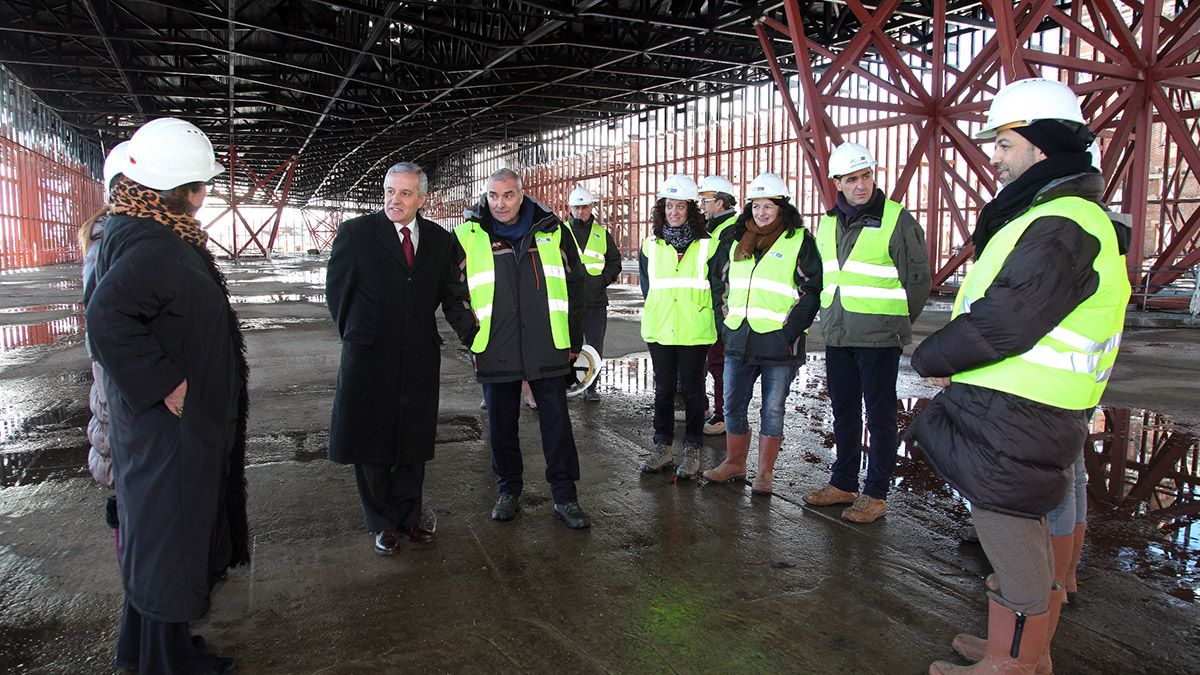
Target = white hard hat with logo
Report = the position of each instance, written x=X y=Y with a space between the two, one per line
x=115 y=163
x=679 y=187
x=1026 y=101
x=768 y=186
x=168 y=152
x=716 y=184
x=848 y=158
x=581 y=196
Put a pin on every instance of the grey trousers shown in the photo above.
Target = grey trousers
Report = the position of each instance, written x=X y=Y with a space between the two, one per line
x=1019 y=550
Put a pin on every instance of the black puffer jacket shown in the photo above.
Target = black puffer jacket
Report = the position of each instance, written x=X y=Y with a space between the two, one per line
x=520 y=346
x=1003 y=452
x=785 y=346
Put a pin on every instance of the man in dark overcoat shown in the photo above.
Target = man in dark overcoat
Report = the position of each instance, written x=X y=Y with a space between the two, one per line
x=388 y=272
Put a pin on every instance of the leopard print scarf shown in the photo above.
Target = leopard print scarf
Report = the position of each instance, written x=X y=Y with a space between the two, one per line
x=138 y=201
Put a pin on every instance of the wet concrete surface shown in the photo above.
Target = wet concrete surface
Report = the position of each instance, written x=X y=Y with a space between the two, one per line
x=673 y=576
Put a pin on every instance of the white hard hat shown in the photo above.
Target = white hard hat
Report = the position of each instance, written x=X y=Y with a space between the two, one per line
x=168 y=152
x=581 y=196
x=715 y=184
x=584 y=370
x=768 y=186
x=679 y=187
x=1094 y=151
x=848 y=158
x=1026 y=101
x=115 y=163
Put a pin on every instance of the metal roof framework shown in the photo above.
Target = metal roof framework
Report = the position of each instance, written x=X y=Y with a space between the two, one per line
x=338 y=90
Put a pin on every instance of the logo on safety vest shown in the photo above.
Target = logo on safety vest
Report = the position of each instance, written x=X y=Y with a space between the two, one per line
x=776 y=254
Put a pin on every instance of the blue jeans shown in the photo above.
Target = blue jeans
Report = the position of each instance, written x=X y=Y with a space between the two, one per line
x=1073 y=509
x=739 y=386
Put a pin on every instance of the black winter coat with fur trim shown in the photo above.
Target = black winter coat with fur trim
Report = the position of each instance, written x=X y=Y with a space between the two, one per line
x=158 y=313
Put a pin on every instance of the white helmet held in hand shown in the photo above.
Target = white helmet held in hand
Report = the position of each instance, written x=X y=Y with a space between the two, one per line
x=168 y=152
x=115 y=163
x=716 y=184
x=1026 y=101
x=581 y=196
x=848 y=158
x=679 y=187
x=768 y=186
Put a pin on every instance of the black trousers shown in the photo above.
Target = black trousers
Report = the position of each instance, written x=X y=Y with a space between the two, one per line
x=595 y=325
x=683 y=365
x=155 y=647
x=558 y=440
x=857 y=375
x=390 y=494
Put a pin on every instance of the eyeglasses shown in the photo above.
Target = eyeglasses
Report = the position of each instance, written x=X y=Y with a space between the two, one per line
x=707 y=200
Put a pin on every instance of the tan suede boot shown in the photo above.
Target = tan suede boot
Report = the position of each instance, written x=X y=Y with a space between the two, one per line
x=737 y=446
x=768 y=452
x=1015 y=644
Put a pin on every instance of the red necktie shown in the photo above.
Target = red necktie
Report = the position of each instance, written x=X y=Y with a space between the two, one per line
x=406 y=244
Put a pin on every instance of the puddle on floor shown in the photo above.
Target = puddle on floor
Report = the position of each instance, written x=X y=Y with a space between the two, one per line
x=278 y=298
x=1143 y=474
x=275 y=323
x=20 y=335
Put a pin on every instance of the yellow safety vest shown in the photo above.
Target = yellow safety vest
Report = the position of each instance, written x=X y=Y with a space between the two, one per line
x=678 y=308
x=868 y=280
x=764 y=291
x=1070 y=366
x=481 y=281
x=591 y=254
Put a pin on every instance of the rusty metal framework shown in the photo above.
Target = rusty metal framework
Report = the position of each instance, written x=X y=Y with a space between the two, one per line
x=46 y=185
x=313 y=98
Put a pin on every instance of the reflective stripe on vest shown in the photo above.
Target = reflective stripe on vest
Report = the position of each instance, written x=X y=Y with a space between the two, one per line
x=764 y=291
x=481 y=281
x=591 y=254
x=678 y=308
x=1070 y=366
x=868 y=281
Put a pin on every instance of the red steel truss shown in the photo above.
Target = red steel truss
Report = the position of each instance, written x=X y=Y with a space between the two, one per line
x=277 y=200
x=1137 y=70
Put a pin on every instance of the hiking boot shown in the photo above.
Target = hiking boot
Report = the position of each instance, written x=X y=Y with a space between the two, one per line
x=572 y=514
x=715 y=426
x=660 y=457
x=506 y=507
x=829 y=495
x=865 y=510
x=591 y=395
x=689 y=466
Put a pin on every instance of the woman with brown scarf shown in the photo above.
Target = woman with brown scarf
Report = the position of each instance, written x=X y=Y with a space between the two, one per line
x=160 y=324
x=766 y=287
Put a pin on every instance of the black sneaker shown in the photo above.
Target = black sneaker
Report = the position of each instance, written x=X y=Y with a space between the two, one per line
x=571 y=514
x=506 y=508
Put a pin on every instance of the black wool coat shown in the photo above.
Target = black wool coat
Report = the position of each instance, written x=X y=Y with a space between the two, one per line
x=386 y=405
x=157 y=314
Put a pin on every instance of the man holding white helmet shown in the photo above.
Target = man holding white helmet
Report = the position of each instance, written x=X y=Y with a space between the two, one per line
x=877 y=280
x=1032 y=341
x=718 y=203
x=601 y=261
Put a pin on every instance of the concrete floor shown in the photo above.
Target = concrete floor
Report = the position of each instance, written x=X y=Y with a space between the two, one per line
x=671 y=577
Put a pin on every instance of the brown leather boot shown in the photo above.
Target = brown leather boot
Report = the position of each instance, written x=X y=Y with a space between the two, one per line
x=768 y=452
x=1015 y=644
x=737 y=446
x=1061 y=548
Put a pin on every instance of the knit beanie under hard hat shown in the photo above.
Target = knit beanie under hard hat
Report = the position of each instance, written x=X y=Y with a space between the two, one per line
x=1057 y=137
